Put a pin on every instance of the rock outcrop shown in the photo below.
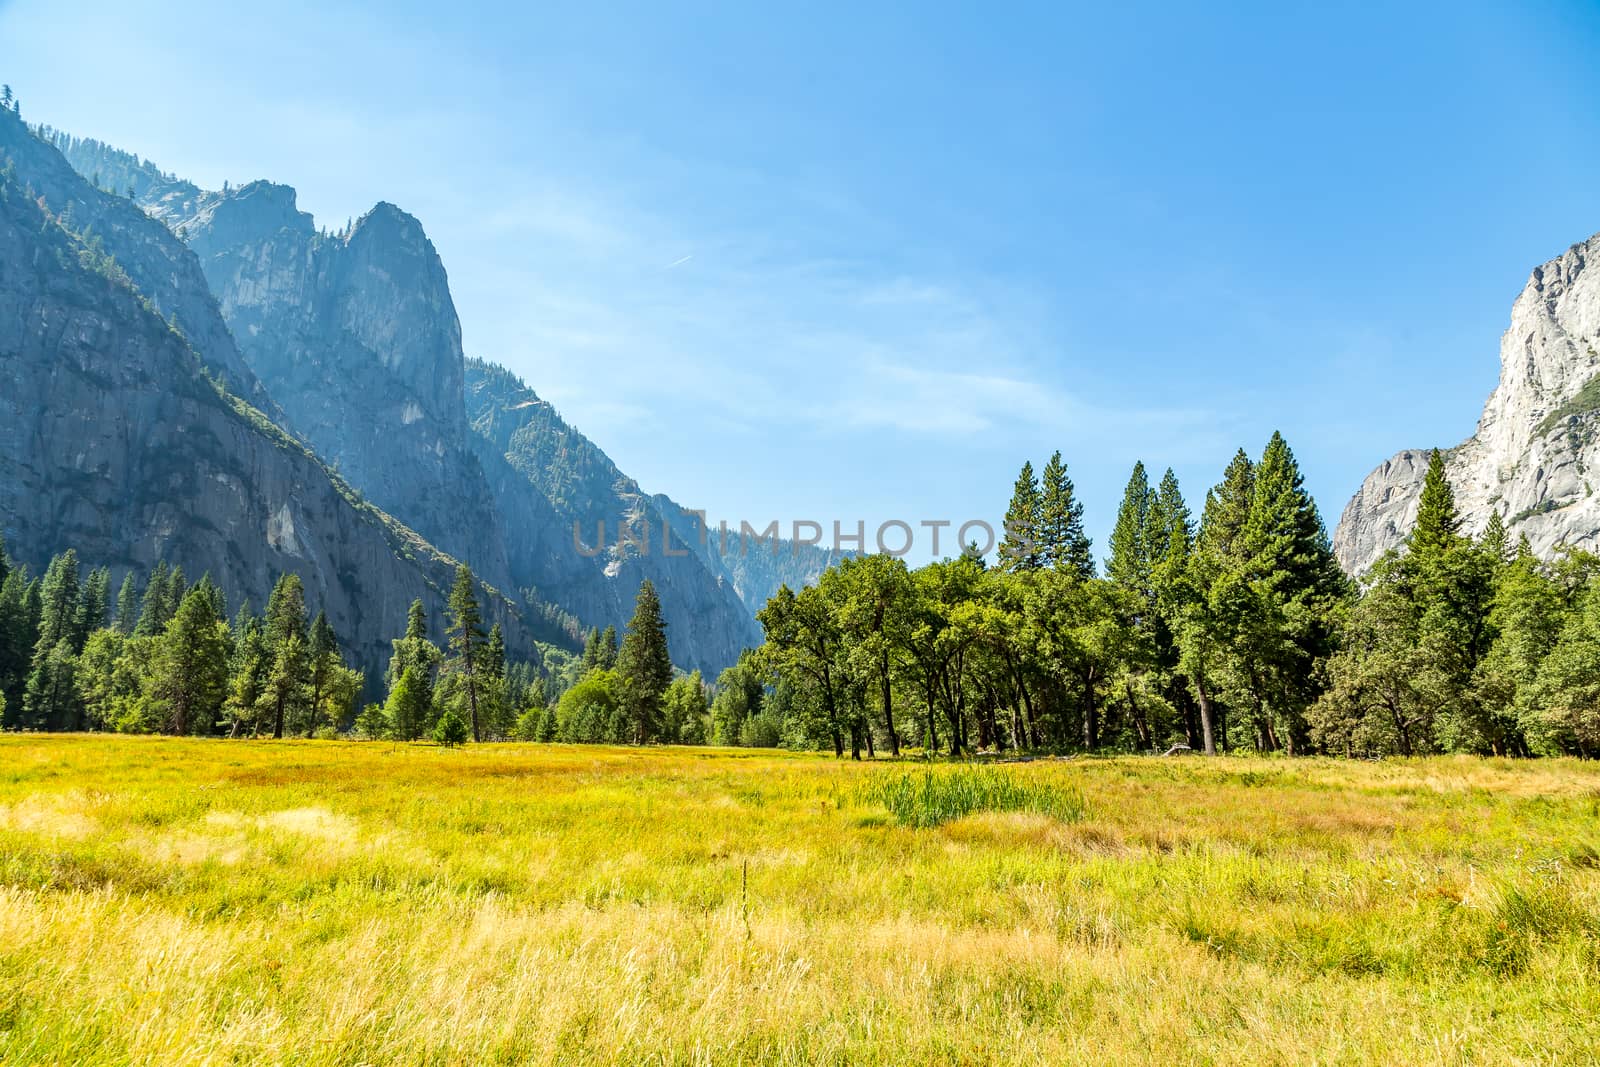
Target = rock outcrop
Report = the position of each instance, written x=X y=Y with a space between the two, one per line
x=1535 y=454
x=120 y=439
x=355 y=335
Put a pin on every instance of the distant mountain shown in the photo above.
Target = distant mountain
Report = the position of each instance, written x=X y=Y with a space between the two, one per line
x=124 y=434
x=537 y=456
x=1535 y=458
x=355 y=335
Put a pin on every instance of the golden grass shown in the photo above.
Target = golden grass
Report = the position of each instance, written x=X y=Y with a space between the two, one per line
x=174 y=901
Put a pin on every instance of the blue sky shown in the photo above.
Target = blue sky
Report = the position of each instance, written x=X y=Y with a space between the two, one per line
x=860 y=261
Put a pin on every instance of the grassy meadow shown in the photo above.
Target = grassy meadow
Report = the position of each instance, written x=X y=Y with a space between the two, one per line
x=168 y=901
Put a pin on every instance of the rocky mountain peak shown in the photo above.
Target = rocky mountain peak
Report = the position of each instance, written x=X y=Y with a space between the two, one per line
x=1537 y=444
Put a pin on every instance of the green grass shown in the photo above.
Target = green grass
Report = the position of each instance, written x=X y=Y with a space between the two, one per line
x=183 y=901
x=934 y=797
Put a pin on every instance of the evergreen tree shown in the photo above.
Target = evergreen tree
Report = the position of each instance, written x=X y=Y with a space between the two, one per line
x=591 y=651
x=128 y=604
x=1495 y=540
x=1293 y=583
x=411 y=714
x=1437 y=527
x=325 y=663
x=606 y=650
x=1062 y=542
x=409 y=705
x=285 y=641
x=1129 y=563
x=189 y=676
x=1019 y=545
x=158 y=605
x=213 y=596
x=58 y=602
x=92 y=606
x=248 y=672
x=1228 y=509
x=18 y=635
x=644 y=668
x=50 y=700
x=466 y=641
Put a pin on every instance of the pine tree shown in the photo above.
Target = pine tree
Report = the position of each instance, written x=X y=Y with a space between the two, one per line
x=189 y=676
x=285 y=638
x=325 y=663
x=1062 y=541
x=157 y=606
x=1293 y=582
x=248 y=673
x=494 y=654
x=18 y=635
x=409 y=704
x=59 y=595
x=128 y=604
x=92 y=608
x=1495 y=540
x=467 y=640
x=1437 y=526
x=411 y=713
x=644 y=667
x=606 y=651
x=1019 y=546
x=214 y=596
x=1228 y=509
x=591 y=651
x=1129 y=563
x=1171 y=526
x=49 y=700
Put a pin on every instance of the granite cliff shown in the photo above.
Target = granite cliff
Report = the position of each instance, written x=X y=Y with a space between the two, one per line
x=355 y=336
x=121 y=435
x=1534 y=456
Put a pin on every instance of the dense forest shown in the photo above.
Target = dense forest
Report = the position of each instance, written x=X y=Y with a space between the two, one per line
x=1236 y=631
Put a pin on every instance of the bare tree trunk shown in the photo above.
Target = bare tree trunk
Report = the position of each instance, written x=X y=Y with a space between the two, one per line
x=887 y=694
x=1205 y=715
x=1139 y=722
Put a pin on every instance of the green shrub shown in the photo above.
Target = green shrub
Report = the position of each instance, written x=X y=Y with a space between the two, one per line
x=450 y=730
x=938 y=796
x=526 y=727
x=760 y=731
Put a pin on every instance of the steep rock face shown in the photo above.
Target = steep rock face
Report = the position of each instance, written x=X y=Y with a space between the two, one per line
x=114 y=442
x=166 y=273
x=550 y=480
x=356 y=337
x=1534 y=456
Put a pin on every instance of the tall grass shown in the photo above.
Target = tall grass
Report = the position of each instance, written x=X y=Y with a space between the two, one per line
x=937 y=796
x=323 y=904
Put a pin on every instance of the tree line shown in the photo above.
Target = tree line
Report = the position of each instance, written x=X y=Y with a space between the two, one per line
x=1236 y=631
x=1233 y=631
x=163 y=656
